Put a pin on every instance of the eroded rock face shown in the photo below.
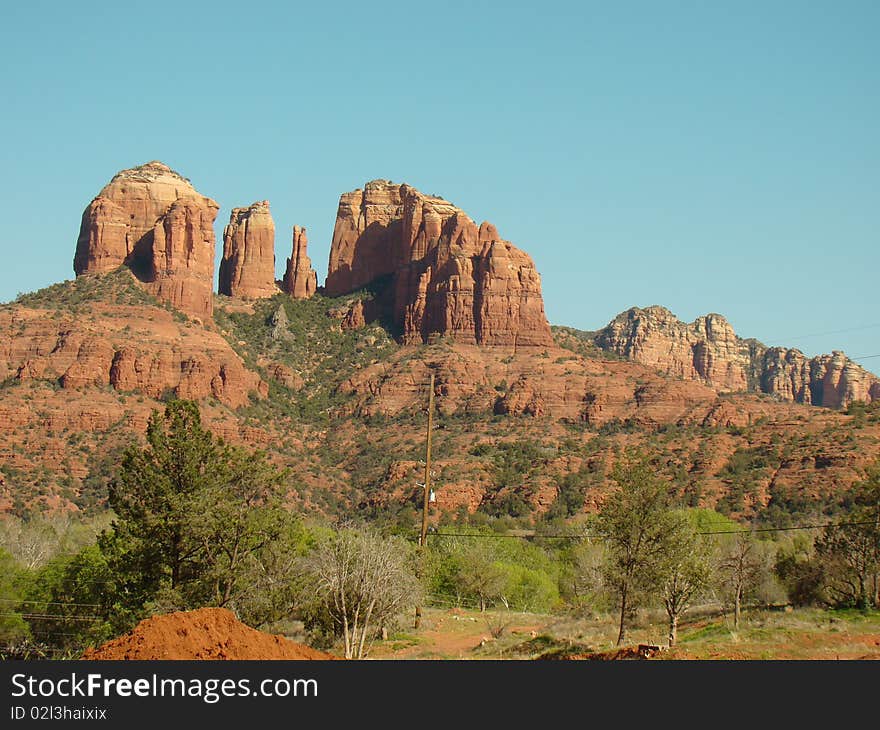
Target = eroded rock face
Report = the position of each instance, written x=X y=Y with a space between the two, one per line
x=475 y=380
x=709 y=350
x=300 y=279
x=152 y=220
x=130 y=349
x=446 y=275
x=247 y=269
x=841 y=381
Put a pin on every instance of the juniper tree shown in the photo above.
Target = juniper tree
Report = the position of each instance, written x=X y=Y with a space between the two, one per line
x=191 y=511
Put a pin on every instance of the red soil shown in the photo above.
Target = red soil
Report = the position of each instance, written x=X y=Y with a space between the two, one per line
x=207 y=633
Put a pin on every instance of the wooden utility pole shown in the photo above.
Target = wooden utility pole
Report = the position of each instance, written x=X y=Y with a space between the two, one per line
x=423 y=537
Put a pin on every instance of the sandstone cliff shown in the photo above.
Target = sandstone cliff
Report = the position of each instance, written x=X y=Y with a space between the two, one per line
x=300 y=279
x=151 y=219
x=83 y=363
x=709 y=350
x=446 y=275
x=127 y=348
x=247 y=269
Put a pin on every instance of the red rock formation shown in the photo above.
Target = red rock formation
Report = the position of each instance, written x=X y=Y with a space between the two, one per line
x=182 y=257
x=709 y=350
x=130 y=349
x=300 y=279
x=841 y=381
x=247 y=269
x=281 y=373
x=786 y=373
x=353 y=314
x=449 y=277
x=152 y=219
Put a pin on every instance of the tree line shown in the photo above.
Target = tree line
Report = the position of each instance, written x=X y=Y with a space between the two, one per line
x=199 y=522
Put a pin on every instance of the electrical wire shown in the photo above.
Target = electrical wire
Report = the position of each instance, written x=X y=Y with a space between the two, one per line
x=830 y=332
x=50 y=603
x=599 y=538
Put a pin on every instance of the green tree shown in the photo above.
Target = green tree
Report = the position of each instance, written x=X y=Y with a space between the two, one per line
x=72 y=599
x=193 y=514
x=478 y=574
x=848 y=556
x=527 y=589
x=638 y=529
x=156 y=494
x=12 y=577
x=271 y=582
x=799 y=570
x=868 y=500
x=582 y=577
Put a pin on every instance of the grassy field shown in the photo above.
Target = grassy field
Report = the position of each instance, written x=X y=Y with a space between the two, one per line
x=763 y=634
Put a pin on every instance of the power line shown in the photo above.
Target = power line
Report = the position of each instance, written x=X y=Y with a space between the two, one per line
x=831 y=332
x=50 y=603
x=599 y=538
x=51 y=617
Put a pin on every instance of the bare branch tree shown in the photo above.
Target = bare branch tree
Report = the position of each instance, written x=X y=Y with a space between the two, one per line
x=741 y=567
x=685 y=573
x=363 y=581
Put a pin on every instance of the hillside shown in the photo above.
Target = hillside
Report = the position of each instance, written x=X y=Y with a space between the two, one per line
x=530 y=419
x=343 y=404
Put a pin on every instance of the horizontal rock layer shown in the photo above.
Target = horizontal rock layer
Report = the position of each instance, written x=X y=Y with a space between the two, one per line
x=132 y=349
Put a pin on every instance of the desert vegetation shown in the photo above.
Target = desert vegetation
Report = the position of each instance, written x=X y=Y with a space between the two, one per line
x=196 y=522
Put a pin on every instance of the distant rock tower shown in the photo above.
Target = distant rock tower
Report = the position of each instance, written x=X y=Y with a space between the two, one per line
x=152 y=220
x=247 y=269
x=300 y=279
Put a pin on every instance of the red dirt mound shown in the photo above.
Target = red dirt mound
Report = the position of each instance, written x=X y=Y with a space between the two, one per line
x=208 y=633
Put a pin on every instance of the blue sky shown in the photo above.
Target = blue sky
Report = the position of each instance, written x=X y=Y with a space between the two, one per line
x=717 y=156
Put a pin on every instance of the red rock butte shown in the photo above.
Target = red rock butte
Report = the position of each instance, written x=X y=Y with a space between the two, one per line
x=445 y=275
x=247 y=269
x=152 y=220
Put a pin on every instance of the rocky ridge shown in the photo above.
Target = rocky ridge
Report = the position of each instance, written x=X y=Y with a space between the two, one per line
x=328 y=393
x=708 y=350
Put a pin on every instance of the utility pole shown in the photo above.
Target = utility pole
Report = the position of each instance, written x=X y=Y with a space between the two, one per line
x=423 y=537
